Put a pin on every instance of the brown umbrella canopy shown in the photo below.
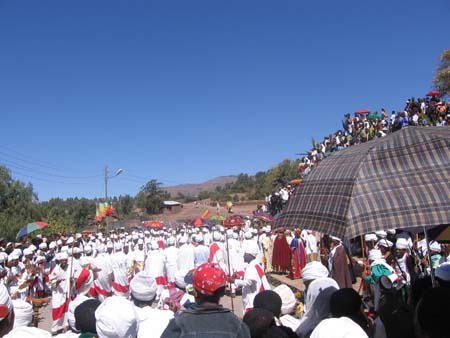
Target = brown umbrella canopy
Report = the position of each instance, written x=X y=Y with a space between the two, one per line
x=401 y=180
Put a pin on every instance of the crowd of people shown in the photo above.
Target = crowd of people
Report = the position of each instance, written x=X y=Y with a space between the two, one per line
x=170 y=282
x=364 y=126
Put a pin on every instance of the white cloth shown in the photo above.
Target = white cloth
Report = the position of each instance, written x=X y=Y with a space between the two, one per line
x=143 y=287
x=119 y=266
x=27 y=332
x=288 y=300
x=186 y=257
x=170 y=259
x=311 y=244
x=154 y=264
x=317 y=304
x=338 y=328
x=116 y=318
x=314 y=270
x=152 y=322
x=103 y=280
x=23 y=313
x=60 y=281
x=251 y=284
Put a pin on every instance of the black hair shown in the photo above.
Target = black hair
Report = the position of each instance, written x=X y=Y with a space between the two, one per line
x=201 y=298
x=85 y=315
x=258 y=320
x=433 y=312
x=269 y=300
x=275 y=332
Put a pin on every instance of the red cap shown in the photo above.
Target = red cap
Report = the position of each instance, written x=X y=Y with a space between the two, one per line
x=207 y=278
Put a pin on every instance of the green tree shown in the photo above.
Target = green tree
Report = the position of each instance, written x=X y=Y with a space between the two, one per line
x=151 y=197
x=442 y=77
x=18 y=204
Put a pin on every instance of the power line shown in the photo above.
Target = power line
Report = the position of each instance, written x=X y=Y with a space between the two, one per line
x=50 y=181
x=26 y=159
x=40 y=172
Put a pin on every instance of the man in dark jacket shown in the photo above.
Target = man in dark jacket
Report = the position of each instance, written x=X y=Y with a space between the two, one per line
x=207 y=318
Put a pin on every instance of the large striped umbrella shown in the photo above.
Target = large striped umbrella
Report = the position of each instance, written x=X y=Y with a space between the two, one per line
x=30 y=227
x=398 y=181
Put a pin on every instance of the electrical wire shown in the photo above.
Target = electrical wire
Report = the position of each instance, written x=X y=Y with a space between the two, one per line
x=38 y=163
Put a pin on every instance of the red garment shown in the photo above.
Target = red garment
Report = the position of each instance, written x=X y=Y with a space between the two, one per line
x=281 y=258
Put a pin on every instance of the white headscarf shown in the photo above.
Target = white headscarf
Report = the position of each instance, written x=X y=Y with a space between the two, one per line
x=143 y=286
x=23 y=313
x=338 y=328
x=116 y=318
x=28 y=332
x=317 y=304
x=314 y=270
x=288 y=300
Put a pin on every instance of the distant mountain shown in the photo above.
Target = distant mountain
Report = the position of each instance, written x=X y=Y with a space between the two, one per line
x=193 y=189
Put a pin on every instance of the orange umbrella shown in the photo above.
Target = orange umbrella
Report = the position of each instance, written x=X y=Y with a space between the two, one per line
x=153 y=224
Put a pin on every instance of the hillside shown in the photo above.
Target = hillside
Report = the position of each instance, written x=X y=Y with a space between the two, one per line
x=193 y=189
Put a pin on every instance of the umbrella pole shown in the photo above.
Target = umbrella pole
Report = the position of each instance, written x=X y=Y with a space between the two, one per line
x=362 y=247
x=229 y=272
x=433 y=280
x=71 y=271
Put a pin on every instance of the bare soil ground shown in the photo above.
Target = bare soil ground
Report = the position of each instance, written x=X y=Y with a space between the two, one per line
x=193 y=210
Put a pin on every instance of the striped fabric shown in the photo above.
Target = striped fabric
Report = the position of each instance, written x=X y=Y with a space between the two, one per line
x=399 y=181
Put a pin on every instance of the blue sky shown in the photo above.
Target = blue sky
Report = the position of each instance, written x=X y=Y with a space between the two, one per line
x=185 y=91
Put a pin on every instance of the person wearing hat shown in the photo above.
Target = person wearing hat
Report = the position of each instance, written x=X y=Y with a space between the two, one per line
x=185 y=258
x=152 y=322
x=60 y=284
x=385 y=246
x=102 y=287
x=216 y=251
x=116 y=318
x=138 y=256
x=154 y=266
x=281 y=257
x=267 y=246
x=298 y=255
x=404 y=263
x=207 y=318
x=254 y=279
x=435 y=253
x=338 y=263
x=119 y=266
x=201 y=252
x=170 y=259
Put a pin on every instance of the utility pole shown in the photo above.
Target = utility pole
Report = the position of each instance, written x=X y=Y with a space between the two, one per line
x=106 y=183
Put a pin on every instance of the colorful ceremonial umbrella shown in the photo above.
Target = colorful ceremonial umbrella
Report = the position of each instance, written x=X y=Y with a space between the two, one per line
x=30 y=227
x=363 y=111
x=397 y=181
x=233 y=221
x=264 y=216
x=198 y=222
x=153 y=224
x=433 y=93
x=217 y=218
